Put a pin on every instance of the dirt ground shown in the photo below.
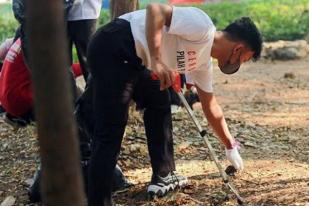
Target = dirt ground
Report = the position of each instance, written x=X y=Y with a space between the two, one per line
x=267 y=108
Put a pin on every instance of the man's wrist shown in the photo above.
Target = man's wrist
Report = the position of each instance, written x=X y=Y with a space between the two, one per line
x=232 y=143
x=155 y=57
x=229 y=146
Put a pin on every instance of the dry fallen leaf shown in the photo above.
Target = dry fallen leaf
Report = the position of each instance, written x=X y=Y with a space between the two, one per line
x=8 y=201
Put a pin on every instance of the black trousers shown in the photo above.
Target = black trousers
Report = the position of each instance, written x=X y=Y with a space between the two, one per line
x=117 y=77
x=85 y=121
x=79 y=34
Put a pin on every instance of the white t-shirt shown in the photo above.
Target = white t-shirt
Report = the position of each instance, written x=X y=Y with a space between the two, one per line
x=85 y=9
x=186 y=44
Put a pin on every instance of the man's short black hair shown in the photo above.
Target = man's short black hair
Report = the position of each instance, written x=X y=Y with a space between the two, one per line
x=244 y=30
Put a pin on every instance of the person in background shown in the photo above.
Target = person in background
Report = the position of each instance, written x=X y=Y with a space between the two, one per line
x=190 y=94
x=81 y=23
x=16 y=97
x=19 y=11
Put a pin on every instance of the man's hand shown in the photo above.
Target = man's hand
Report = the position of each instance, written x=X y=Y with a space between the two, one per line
x=234 y=157
x=158 y=16
x=165 y=75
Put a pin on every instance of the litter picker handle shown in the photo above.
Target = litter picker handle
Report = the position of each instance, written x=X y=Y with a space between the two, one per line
x=176 y=84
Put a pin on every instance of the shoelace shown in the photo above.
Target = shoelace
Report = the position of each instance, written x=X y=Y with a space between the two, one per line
x=174 y=177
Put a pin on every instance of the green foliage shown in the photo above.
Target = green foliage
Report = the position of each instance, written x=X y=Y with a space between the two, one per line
x=7 y=27
x=277 y=19
x=104 y=17
x=8 y=24
x=145 y=2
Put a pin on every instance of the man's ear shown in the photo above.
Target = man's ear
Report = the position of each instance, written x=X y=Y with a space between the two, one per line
x=238 y=48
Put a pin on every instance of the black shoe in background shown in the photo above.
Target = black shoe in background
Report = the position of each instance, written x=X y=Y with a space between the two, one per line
x=2 y=110
x=120 y=183
x=34 y=192
x=15 y=121
x=85 y=168
x=191 y=98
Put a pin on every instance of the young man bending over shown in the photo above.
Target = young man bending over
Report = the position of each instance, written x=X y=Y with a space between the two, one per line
x=164 y=39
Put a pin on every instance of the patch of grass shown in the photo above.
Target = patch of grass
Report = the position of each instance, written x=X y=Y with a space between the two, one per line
x=277 y=19
x=8 y=24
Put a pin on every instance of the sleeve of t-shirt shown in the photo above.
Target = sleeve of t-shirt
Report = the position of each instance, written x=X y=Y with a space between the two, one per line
x=190 y=23
x=201 y=77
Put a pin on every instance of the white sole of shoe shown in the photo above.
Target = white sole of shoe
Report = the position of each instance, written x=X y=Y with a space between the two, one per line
x=155 y=190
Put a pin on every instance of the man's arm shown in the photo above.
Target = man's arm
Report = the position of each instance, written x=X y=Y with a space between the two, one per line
x=215 y=117
x=158 y=16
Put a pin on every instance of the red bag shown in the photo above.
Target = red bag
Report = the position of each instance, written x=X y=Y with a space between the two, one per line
x=15 y=83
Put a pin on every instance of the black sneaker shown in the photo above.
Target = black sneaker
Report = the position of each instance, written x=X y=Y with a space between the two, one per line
x=160 y=186
x=2 y=110
x=120 y=183
x=34 y=192
x=15 y=121
x=125 y=186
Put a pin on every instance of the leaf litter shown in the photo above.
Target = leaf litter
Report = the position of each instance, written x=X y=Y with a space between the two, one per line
x=275 y=150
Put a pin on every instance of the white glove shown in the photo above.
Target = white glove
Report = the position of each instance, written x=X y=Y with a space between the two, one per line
x=234 y=157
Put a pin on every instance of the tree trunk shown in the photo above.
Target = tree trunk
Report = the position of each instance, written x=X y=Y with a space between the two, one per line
x=61 y=176
x=119 y=7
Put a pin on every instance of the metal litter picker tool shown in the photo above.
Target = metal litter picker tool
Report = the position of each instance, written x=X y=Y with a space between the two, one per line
x=177 y=88
x=204 y=135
